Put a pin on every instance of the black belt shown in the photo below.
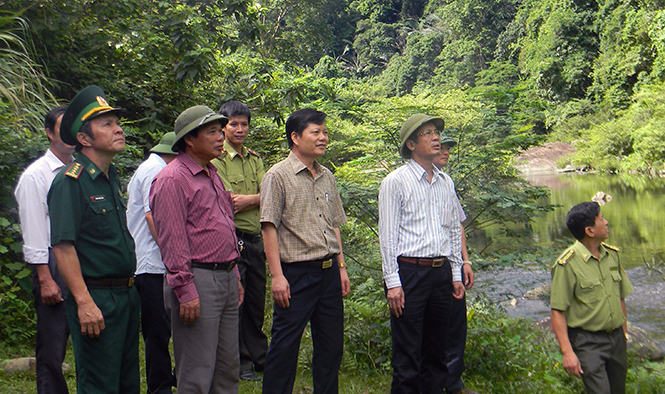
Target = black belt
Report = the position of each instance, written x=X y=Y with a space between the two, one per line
x=431 y=262
x=228 y=266
x=577 y=329
x=248 y=237
x=110 y=282
x=323 y=263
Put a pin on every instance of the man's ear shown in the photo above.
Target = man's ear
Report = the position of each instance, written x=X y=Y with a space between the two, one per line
x=410 y=145
x=589 y=231
x=84 y=139
x=295 y=138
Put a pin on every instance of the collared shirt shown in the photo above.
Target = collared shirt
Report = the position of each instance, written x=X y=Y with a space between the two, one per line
x=418 y=219
x=193 y=216
x=242 y=173
x=590 y=290
x=31 y=194
x=88 y=210
x=148 y=257
x=305 y=210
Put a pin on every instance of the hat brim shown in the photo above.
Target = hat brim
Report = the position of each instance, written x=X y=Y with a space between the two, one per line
x=438 y=123
x=69 y=139
x=194 y=125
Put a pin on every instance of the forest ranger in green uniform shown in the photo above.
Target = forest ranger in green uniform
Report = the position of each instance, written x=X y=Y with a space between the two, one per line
x=589 y=287
x=95 y=250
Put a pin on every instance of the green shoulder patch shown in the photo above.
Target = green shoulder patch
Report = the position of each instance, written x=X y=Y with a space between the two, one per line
x=251 y=152
x=611 y=247
x=223 y=154
x=74 y=170
x=566 y=257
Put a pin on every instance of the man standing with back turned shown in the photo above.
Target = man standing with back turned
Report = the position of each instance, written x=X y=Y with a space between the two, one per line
x=301 y=212
x=48 y=286
x=241 y=170
x=420 y=235
x=95 y=251
x=193 y=216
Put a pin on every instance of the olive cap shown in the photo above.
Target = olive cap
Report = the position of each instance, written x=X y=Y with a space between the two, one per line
x=445 y=139
x=165 y=144
x=194 y=117
x=88 y=104
x=412 y=124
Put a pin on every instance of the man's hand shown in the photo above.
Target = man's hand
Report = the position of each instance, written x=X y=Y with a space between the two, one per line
x=281 y=291
x=241 y=293
x=190 y=310
x=90 y=318
x=346 y=284
x=395 y=298
x=242 y=202
x=458 y=290
x=572 y=364
x=467 y=276
x=50 y=292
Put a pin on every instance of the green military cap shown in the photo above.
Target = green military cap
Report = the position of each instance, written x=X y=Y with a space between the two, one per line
x=412 y=124
x=165 y=144
x=448 y=140
x=88 y=104
x=194 y=117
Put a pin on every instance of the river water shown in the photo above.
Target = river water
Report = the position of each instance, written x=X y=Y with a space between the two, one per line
x=636 y=217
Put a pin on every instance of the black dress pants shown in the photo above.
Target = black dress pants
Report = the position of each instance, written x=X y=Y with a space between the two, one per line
x=316 y=297
x=52 y=335
x=455 y=346
x=419 y=335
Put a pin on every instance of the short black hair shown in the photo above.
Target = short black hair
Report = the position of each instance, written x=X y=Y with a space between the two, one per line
x=299 y=120
x=52 y=117
x=180 y=145
x=235 y=108
x=580 y=217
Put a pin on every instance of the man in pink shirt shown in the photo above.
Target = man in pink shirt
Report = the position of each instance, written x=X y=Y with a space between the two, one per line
x=193 y=216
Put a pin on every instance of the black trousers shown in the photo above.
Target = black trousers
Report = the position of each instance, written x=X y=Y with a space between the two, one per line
x=455 y=345
x=252 y=341
x=52 y=335
x=316 y=297
x=603 y=359
x=420 y=334
x=156 y=328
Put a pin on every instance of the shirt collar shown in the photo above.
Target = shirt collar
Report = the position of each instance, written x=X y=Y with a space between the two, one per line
x=53 y=162
x=156 y=157
x=192 y=165
x=420 y=173
x=586 y=254
x=92 y=169
x=233 y=153
x=299 y=166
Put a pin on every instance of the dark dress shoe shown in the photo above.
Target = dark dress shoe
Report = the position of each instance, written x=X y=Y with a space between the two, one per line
x=249 y=375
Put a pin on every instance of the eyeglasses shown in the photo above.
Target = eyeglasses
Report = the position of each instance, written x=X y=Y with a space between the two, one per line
x=430 y=133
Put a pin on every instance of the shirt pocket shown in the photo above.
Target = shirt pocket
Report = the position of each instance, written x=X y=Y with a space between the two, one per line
x=237 y=183
x=589 y=291
x=100 y=216
x=616 y=277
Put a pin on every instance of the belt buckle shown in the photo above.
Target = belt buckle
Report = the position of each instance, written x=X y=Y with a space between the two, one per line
x=231 y=266
x=326 y=264
x=130 y=283
x=437 y=263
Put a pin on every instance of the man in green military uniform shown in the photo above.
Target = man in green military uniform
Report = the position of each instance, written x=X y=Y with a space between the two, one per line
x=242 y=171
x=95 y=250
x=589 y=287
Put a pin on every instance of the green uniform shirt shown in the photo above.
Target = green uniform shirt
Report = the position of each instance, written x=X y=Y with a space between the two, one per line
x=87 y=209
x=590 y=290
x=242 y=174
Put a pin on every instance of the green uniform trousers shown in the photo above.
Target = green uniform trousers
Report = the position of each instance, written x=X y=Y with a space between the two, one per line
x=603 y=359
x=108 y=364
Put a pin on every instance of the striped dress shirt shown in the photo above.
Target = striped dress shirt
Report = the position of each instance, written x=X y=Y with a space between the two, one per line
x=418 y=219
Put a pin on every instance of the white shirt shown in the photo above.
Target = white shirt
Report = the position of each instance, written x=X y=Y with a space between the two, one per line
x=418 y=219
x=148 y=257
x=31 y=192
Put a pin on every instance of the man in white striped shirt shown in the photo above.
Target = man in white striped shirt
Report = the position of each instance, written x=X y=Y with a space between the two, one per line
x=420 y=235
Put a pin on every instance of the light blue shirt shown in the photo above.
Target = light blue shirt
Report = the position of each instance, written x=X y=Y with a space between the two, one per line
x=148 y=257
x=418 y=219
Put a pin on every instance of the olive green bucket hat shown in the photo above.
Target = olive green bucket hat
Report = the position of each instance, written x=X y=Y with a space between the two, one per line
x=194 y=117
x=165 y=144
x=450 y=141
x=412 y=124
x=88 y=104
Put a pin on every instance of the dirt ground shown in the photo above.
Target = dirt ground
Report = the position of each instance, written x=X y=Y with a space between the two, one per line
x=543 y=158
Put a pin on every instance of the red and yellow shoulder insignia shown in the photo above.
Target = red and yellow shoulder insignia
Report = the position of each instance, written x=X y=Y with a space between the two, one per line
x=251 y=152
x=74 y=170
x=611 y=247
x=566 y=257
